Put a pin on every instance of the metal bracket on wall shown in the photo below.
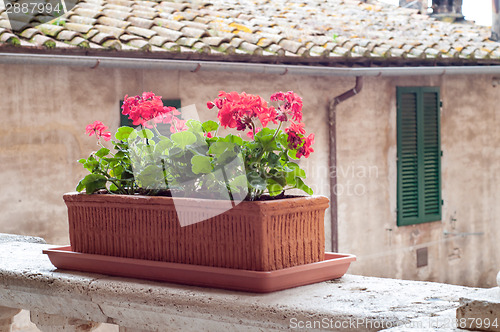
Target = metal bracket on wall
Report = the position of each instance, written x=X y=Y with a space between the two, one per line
x=464 y=234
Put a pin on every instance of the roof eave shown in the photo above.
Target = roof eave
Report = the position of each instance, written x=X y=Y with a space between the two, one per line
x=251 y=64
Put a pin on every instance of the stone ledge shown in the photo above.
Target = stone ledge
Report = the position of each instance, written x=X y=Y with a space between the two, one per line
x=481 y=310
x=29 y=281
x=20 y=238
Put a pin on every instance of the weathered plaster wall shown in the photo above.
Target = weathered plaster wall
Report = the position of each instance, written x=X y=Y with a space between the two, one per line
x=45 y=111
x=470 y=184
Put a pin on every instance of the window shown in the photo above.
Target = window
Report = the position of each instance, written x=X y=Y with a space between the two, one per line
x=125 y=121
x=419 y=155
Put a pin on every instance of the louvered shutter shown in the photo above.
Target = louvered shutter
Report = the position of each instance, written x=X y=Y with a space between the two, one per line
x=419 y=155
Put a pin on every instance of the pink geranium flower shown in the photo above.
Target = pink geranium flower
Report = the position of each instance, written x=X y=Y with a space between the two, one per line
x=240 y=110
x=99 y=129
x=146 y=107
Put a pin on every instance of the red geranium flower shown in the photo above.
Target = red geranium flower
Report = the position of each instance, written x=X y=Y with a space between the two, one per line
x=99 y=129
x=147 y=107
x=305 y=150
x=291 y=106
x=240 y=110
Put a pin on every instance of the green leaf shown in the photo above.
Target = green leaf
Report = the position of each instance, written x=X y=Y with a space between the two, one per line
x=292 y=154
x=291 y=179
x=219 y=148
x=240 y=181
x=256 y=181
x=233 y=139
x=210 y=126
x=195 y=125
x=120 y=155
x=82 y=161
x=302 y=186
x=133 y=135
x=201 y=164
x=80 y=186
x=266 y=138
x=278 y=177
x=145 y=133
x=123 y=133
x=162 y=145
x=226 y=156
x=296 y=170
x=151 y=177
x=91 y=164
x=93 y=182
x=117 y=171
x=183 y=138
x=274 y=187
x=102 y=152
x=273 y=159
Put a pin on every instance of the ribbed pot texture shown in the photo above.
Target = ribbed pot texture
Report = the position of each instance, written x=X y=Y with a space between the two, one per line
x=261 y=236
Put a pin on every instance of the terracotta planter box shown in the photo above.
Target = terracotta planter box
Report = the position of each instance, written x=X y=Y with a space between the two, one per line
x=260 y=236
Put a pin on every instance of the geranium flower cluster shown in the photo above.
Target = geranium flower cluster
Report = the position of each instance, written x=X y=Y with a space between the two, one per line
x=99 y=130
x=146 y=107
x=241 y=110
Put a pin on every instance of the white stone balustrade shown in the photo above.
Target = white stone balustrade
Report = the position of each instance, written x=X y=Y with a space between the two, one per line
x=75 y=301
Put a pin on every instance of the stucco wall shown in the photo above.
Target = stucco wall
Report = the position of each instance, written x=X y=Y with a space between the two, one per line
x=470 y=184
x=45 y=111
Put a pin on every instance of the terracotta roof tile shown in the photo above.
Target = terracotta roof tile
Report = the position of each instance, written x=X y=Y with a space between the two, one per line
x=82 y=20
x=145 y=14
x=141 y=22
x=79 y=41
x=140 y=44
x=172 y=47
x=336 y=30
x=50 y=30
x=91 y=13
x=214 y=41
x=9 y=38
x=146 y=33
x=78 y=27
x=27 y=33
x=172 y=35
x=194 y=32
x=102 y=37
x=168 y=23
x=113 y=22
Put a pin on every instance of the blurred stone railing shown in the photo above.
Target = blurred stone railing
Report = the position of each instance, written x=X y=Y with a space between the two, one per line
x=71 y=301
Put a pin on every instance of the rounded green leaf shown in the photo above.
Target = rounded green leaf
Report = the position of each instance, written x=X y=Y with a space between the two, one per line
x=210 y=126
x=145 y=133
x=195 y=125
x=162 y=145
x=256 y=181
x=123 y=133
x=201 y=164
x=102 y=152
x=302 y=186
x=219 y=148
x=93 y=182
x=183 y=138
x=273 y=187
x=295 y=170
x=233 y=139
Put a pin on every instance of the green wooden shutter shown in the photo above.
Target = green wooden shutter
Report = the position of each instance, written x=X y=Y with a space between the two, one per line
x=419 y=155
x=125 y=121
